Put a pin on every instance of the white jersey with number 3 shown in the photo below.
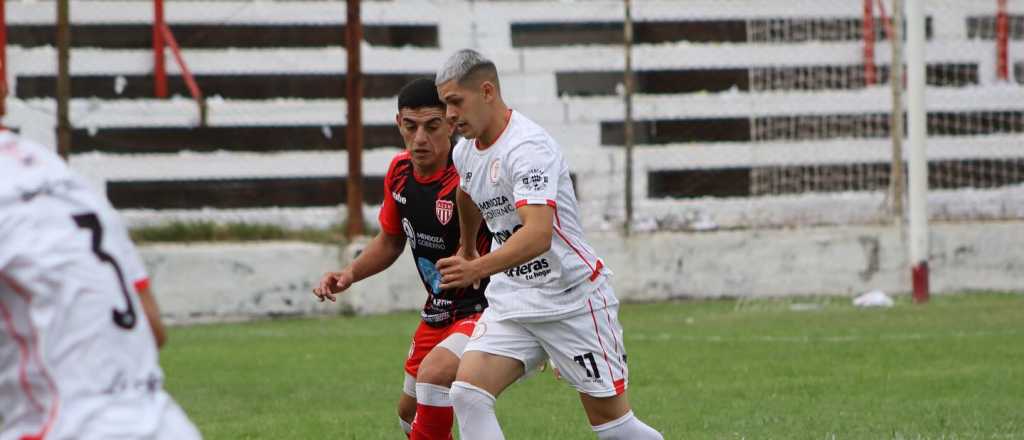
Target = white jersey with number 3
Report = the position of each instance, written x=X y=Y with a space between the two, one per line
x=77 y=357
x=525 y=166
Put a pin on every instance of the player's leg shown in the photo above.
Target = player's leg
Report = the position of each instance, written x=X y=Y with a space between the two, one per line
x=407 y=404
x=496 y=356
x=434 y=413
x=423 y=341
x=587 y=349
x=476 y=388
x=612 y=419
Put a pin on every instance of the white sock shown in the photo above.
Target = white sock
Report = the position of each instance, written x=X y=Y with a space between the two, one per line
x=627 y=427
x=432 y=395
x=474 y=408
x=406 y=426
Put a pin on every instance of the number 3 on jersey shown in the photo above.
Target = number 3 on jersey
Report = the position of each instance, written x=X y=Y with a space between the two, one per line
x=123 y=318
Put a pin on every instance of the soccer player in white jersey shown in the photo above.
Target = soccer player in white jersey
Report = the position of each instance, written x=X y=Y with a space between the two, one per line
x=80 y=330
x=549 y=293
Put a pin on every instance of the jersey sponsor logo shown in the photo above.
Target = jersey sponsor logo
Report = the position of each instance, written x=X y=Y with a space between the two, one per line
x=496 y=207
x=535 y=179
x=530 y=271
x=410 y=233
x=121 y=383
x=430 y=274
x=502 y=236
x=495 y=171
x=398 y=197
x=493 y=203
x=428 y=240
x=441 y=302
x=444 y=209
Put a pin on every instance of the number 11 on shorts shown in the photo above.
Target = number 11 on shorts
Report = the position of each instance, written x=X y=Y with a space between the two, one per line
x=592 y=368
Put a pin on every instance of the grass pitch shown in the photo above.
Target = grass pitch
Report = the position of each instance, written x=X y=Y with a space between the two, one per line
x=792 y=369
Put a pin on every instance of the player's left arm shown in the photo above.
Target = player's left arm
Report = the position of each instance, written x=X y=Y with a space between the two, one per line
x=526 y=244
x=153 y=316
x=534 y=172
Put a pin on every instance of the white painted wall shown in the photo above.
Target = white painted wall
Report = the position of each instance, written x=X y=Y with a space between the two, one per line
x=528 y=78
x=223 y=281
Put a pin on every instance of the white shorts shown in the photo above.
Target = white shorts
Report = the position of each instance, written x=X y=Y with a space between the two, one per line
x=586 y=348
x=175 y=425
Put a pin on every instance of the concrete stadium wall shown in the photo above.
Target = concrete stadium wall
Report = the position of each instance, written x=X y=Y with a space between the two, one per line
x=204 y=282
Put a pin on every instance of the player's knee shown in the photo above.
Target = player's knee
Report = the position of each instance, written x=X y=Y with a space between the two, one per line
x=437 y=372
x=627 y=427
x=468 y=399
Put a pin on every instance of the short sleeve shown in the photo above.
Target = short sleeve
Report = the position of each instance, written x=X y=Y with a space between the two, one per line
x=458 y=152
x=124 y=251
x=390 y=220
x=535 y=172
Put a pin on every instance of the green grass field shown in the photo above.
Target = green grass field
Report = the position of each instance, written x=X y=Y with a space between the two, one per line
x=952 y=369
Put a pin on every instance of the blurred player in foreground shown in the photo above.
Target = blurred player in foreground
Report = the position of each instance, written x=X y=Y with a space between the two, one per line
x=419 y=207
x=81 y=331
x=549 y=293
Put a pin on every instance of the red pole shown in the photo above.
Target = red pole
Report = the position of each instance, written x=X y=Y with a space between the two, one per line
x=869 y=43
x=1002 y=42
x=159 y=64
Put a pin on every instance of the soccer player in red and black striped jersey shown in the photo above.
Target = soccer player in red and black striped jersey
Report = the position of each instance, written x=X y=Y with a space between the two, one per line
x=419 y=207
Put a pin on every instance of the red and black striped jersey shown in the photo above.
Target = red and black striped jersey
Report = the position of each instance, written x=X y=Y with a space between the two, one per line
x=423 y=209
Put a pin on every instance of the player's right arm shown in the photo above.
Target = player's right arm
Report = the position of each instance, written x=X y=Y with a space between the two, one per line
x=380 y=254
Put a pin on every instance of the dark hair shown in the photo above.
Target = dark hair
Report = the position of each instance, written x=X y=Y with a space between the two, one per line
x=419 y=93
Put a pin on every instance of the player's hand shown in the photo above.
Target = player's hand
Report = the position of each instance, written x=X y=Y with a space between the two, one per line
x=457 y=271
x=332 y=283
x=469 y=255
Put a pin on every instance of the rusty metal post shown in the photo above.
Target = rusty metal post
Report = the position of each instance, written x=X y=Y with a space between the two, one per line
x=627 y=27
x=354 y=123
x=63 y=78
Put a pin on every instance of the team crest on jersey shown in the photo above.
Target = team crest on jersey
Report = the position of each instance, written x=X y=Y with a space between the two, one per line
x=536 y=179
x=444 y=209
x=495 y=171
x=479 y=330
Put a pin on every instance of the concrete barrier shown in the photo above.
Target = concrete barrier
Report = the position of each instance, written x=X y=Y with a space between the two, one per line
x=202 y=282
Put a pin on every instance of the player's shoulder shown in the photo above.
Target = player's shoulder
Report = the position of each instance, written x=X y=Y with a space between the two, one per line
x=527 y=137
x=460 y=148
x=28 y=168
x=399 y=161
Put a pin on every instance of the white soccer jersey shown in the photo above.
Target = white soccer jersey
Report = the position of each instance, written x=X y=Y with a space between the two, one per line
x=77 y=357
x=525 y=166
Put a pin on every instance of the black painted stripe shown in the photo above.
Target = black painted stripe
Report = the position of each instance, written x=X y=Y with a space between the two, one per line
x=766 y=30
x=984 y=27
x=240 y=138
x=239 y=193
x=262 y=86
x=799 y=179
x=816 y=77
x=807 y=127
x=139 y=36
